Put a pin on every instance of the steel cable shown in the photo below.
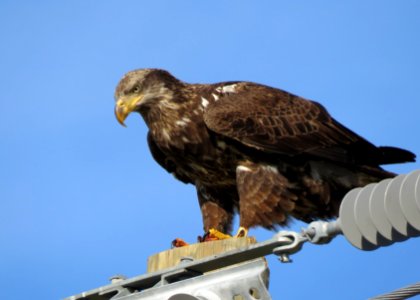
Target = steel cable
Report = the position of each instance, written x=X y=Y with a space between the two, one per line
x=403 y=293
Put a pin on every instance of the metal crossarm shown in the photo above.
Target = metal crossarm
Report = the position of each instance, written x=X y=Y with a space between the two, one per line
x=283 y=243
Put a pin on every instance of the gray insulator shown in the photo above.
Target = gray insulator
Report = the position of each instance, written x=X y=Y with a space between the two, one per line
x=383 y=213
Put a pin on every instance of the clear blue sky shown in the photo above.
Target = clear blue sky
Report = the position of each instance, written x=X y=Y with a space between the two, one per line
x=81 y=199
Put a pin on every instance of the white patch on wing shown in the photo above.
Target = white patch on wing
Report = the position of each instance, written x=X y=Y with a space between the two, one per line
x=271 y=169
x=204 y=102
x=215 y=97
x=229 y=88
x=185 y=139
x=243 y=169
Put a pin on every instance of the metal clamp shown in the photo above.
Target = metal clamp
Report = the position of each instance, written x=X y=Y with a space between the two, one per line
x=321 y=232
x=295 y=243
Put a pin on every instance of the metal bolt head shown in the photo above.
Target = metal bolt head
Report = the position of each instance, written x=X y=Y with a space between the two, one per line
x=285 y=258
x=186 y=259
x=117 y=278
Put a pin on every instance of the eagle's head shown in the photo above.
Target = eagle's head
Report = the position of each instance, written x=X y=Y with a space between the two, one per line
x=141 y=89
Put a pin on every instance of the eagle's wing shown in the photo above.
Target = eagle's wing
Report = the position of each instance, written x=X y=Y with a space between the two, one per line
x=276 y=121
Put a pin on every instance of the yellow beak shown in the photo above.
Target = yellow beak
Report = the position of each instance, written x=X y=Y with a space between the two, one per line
x=126 y=105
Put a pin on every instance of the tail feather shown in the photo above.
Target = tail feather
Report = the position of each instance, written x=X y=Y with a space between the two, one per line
x=393 y=155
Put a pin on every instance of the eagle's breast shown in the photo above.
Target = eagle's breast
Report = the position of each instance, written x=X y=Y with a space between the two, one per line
x=179 y=130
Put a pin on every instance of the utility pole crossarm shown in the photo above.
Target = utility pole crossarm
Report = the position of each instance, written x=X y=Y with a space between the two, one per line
x=282 y=243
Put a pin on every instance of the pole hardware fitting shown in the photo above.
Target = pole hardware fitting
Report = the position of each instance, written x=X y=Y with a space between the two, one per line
x=293 y=243
x=321 y=232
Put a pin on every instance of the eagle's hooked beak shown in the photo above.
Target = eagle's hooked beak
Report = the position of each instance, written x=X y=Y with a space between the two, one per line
x=126 y=105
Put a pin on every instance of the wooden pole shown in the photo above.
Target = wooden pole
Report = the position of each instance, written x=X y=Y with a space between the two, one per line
x=170 y=258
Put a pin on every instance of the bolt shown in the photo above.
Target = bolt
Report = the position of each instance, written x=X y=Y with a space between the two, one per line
x=186 y=259
x=284 y=258
x=117 y=278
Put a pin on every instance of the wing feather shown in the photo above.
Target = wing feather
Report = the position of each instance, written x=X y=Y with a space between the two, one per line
x=276 y=121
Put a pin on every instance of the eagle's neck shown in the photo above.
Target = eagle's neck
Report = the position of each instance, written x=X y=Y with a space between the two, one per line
x=172 y=119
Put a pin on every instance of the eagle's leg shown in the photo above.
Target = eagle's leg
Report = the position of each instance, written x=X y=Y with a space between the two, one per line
x=216 y=204
x=265 y=198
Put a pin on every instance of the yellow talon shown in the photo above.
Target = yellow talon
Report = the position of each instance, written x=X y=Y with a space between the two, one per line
x=214 y=234
x=242 y=232
x=218 y=235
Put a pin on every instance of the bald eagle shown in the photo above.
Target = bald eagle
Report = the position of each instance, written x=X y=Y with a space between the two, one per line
x=251 y=149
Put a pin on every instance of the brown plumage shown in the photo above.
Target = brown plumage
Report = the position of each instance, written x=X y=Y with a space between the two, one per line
x=251 y=149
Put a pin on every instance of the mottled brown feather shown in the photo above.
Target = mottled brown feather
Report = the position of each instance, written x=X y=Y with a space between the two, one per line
x=265 y=196
x=277 y=121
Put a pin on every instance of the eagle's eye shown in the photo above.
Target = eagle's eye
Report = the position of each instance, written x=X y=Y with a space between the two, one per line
x=136 y=89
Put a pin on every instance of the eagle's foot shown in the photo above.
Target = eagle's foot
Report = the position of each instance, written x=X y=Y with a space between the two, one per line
x=218 y=235
x=213 y=235
x=177 y=243
x=242 y=232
